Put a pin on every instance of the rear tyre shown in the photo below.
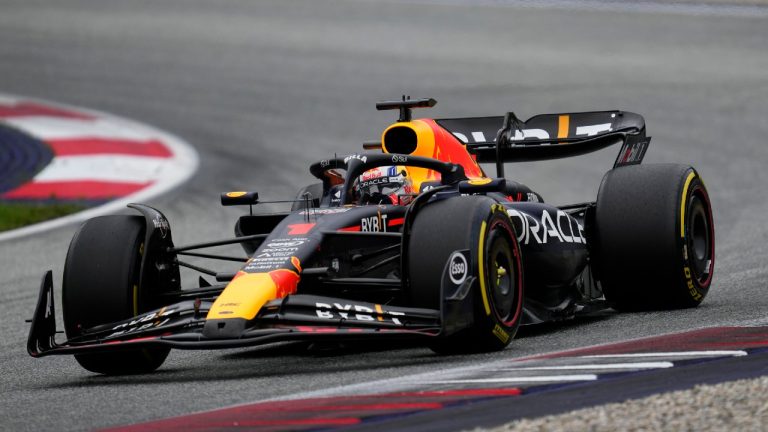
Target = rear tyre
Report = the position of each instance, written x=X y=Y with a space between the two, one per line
x=482 y=227
x=315 y=192
x=655 y=237
x=101 y=285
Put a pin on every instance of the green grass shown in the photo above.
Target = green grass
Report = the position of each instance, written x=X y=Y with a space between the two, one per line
x=15 y=215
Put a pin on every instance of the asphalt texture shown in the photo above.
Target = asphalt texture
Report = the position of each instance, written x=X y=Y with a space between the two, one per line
x=570 y=398
x=262 y=89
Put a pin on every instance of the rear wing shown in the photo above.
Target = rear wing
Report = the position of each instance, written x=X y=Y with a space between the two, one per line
x=550 y=136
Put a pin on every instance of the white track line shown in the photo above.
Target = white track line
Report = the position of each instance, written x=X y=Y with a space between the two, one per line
x=533 y=379
x=630 y=366
x=670 y=354
x=414 y=382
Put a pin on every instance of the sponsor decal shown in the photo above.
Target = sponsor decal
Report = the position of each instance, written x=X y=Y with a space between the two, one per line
x=632 y=153
x=562 y=228
x=476 y=136
x=398 y=180
x=269 y=261
x=532 y=197
x=588 y=130
x=458 y=268
x=265 y=263
x=275 y=254
x=300 y=229
x=377 y=172
x=271 y=253
x=500 y=333
x=161 y=223
x=376 y=223
x=356 y=156
x=286 y=243
x=286 y=281
x=336 y=198
x=151 y=320
x=272 y=259
x=399 y=159
x=695 y=294
x=49 y=304
x=290 y=239
x=325 y=211
x=522 y=134
x=346 y=311
x=296 y=263
x=592 y=130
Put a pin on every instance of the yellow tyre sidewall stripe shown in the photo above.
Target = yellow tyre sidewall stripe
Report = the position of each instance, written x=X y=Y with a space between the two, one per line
x=688 y=181
x=481 y=268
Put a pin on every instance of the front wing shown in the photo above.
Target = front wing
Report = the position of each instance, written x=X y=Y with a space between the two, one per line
x=180 y=325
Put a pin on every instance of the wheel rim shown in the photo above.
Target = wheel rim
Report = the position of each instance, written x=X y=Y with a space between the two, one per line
x=503 y=276
x=700 y=236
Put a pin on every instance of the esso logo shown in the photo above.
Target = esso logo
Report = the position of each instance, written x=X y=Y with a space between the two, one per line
x=396 y=159
x=458 y=268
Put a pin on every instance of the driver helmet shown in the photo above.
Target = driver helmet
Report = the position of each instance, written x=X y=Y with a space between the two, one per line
x=384 y=185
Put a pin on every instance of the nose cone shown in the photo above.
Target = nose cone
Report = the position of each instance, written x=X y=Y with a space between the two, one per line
x=248 y=292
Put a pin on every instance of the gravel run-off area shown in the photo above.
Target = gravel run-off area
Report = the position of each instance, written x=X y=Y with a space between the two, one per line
x=732 y=406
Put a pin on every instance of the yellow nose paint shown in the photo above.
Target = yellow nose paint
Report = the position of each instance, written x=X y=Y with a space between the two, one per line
x=244 y=296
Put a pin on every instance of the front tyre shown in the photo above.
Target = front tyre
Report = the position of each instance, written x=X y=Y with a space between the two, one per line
x=101 y=285
x=655 y=236
x=482 y=228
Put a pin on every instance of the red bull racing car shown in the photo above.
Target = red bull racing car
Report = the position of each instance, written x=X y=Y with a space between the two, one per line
x=412 y=239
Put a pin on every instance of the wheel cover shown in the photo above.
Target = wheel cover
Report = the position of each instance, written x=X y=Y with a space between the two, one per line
x=700 y=238
x=503 y=274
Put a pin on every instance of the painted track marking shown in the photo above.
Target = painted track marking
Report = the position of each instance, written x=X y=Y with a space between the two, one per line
x=98 y=157
x=55 y=128
x=531 y=379
x=671 y=354
x=607 y=366
x=459 y=388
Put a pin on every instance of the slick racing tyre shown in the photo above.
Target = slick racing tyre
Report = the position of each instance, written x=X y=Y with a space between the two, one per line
x=101 y=285
x=468 y=240
x=655 y=237
x=315 y=194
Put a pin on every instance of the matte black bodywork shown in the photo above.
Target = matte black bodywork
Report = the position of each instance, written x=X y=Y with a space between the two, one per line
x=352 y=258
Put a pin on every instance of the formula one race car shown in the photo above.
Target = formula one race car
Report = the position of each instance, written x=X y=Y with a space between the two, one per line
x=414 y=240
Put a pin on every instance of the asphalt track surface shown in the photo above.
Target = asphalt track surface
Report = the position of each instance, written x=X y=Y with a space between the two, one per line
x=262 y=89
